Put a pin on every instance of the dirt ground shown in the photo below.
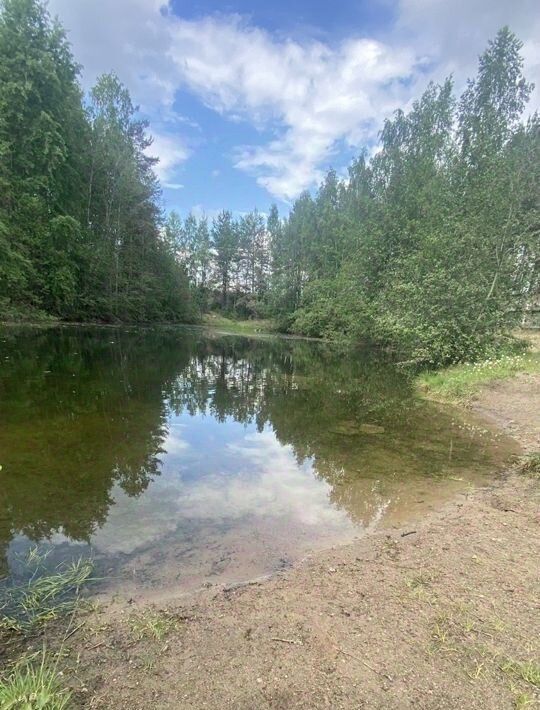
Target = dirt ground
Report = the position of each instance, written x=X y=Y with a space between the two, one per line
x=440 y=614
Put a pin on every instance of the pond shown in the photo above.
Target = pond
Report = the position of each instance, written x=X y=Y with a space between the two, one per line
x=180 y=457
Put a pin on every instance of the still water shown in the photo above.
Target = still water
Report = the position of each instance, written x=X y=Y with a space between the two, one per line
x=179 y=457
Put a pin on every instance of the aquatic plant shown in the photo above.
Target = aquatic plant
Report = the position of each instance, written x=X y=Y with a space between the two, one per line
x=45 y=596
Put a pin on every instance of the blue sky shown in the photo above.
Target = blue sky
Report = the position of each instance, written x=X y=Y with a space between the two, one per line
x=250 y=102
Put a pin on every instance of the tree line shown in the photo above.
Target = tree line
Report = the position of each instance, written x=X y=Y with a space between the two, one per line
x=431 y=245
x=228 y=262
x=81 y=234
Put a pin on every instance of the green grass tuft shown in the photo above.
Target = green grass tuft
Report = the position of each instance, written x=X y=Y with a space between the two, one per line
x=33 y=686
x=529 y=671
x=152 y=624
x=461 y=382
x=45 y=596
x=531 y=465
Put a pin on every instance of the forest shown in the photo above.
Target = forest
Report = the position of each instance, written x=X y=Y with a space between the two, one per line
x=429 y=244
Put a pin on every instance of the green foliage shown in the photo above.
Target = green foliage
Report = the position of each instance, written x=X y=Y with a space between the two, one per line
x=80 y=227
x=45 y=596
x=33 y=685
x=432 y=246
x=461 y=382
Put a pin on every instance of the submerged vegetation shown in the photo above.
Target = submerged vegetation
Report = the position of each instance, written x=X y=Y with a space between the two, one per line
x=45 y=596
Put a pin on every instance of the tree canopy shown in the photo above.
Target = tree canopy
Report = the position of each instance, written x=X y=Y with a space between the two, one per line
x=431 y=245
x=80 y=225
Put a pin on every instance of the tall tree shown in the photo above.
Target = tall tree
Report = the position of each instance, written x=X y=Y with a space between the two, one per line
x=226 y=242
x=42 y=146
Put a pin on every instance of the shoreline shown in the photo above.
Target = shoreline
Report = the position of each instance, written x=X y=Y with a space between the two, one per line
x=439 y=613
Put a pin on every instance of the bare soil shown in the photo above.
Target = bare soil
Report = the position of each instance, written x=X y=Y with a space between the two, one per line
x=435 y=615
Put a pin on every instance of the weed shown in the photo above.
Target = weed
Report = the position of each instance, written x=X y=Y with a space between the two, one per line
x=420 y=581
x=531 y=465
x=30 y=685
x=523 y=700
x=45 y=596
x=529 y=671
x=479 y=670
x=498 y=625
x=441 y=630
x=469 y=625
x=152 y=624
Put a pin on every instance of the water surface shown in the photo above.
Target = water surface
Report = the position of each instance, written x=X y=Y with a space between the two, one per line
x=177 y=457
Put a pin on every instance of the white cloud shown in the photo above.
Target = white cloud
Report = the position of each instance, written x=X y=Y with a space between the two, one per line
x=267 y=483
x=172 y=152
x=129 y=37
x=454 y=34
x=310 y=97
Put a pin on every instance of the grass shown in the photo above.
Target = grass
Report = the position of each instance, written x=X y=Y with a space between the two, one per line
x=523 y=700
x=529 y=671
x=242 y=327
x=34 y=686
x=530 y=465
x=45 y=596
x=152 y=624
x=461 y=382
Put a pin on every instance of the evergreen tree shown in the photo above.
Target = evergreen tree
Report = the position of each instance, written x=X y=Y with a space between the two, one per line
x=80 y=226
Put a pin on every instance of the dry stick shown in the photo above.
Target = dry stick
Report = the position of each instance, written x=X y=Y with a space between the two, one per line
x=361 y=660
x=293 y=641
x=74 y=631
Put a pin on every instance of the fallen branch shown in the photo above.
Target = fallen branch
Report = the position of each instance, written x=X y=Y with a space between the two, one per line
x=411 y=532
x=293 y=641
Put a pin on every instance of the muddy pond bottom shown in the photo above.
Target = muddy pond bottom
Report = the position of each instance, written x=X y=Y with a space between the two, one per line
x=177 y=458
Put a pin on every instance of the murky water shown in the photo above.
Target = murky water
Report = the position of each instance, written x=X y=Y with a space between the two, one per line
x=177 y=457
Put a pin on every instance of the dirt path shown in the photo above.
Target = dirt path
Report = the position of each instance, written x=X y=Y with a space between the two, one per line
x=446 y=616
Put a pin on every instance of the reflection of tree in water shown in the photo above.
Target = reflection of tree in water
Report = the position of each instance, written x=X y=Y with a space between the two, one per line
x=84 y=409
x=355 y=417
x=81 y=411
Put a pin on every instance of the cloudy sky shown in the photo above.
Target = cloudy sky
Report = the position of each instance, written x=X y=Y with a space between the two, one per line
x=251 y=102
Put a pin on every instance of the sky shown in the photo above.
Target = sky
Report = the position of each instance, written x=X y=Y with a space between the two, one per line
x=251 y=102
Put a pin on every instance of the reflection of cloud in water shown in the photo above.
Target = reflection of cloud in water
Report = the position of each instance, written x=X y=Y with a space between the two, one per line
x=174 y=443
x=258 y=478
